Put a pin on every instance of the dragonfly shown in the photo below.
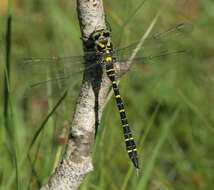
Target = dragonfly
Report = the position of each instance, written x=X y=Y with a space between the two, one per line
x=63 y=68
x=54 y=70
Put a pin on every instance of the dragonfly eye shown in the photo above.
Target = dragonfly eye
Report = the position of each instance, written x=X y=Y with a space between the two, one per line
x=96 y=36
x=106 y=34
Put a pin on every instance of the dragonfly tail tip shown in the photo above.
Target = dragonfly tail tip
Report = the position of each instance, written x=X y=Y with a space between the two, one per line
x=137 y=172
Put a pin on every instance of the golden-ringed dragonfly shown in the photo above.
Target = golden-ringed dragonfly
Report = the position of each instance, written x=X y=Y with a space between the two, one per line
x=103 y=45
x=63 y=68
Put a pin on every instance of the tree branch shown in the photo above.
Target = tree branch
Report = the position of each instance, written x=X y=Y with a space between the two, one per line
x=77 y=160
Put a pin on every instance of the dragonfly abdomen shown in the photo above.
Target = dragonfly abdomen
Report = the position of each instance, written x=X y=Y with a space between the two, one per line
x=104 y=46
x=129 y=140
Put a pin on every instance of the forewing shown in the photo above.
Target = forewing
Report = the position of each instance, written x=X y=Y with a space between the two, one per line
x=159 y=43
x=50 y=75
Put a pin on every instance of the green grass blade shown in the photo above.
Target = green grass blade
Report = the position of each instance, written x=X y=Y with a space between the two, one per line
x=8 y=115
x=36 y=135
x=131 y=169
x=126 y=22
x=196 y=111
x=7 y=71
x=46 y=119
x=148 y=169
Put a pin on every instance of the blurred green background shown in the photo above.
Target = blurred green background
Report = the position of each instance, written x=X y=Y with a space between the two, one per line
x=169 y=103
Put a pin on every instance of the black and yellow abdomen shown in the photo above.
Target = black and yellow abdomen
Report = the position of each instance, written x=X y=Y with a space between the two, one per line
x=129 y=140
x=104 y=46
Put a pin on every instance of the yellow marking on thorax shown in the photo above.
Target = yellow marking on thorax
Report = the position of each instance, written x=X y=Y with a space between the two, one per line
x=109 y=43
x=110 y=70
x=101 y=45
x=114 y=82
x=107 y=51
x=118 y=96
x=108 y=59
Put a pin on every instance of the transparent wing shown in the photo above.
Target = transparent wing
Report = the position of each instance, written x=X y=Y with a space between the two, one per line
x=158 y=43
x=53 y=68
x=150 y=58
x=59 y=73
x=49 y=75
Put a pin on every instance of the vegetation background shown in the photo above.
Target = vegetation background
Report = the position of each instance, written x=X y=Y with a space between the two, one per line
x=169 y=103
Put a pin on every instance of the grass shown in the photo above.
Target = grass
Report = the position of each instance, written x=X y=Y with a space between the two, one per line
x=169 y=103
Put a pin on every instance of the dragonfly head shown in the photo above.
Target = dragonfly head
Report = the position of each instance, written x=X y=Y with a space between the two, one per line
x=102 y=39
